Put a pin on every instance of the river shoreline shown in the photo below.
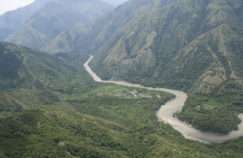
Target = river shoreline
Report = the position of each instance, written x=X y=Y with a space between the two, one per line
x=169 y=109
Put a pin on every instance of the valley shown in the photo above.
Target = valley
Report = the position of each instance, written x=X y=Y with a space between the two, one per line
x=106 y=117
x=167 y=112
x=85 y=78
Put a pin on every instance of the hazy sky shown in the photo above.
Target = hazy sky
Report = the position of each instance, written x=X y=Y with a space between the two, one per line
x=6 y=5
x=115 y=2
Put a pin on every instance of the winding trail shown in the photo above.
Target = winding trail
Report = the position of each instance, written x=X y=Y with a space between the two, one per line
x=166 y=112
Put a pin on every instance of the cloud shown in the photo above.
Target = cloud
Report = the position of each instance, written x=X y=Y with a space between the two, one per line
x=7 y=5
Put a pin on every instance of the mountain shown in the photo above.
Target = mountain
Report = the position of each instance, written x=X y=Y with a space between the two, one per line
x=13 y=21
x=192 y=45
x=52 y=108
x=187 y=44
x=24 y=68
x=75 y=40
x=54 y=18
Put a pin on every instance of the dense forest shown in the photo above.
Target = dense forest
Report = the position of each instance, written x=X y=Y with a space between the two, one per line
x=50 y=107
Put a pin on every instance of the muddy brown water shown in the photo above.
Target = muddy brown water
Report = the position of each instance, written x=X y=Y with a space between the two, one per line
x=169 y=109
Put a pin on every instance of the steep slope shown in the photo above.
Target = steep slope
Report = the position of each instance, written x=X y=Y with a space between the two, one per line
x=22 y=67
x=13 y=21
x=95 y=121
x=75 y=40
x=195 y=45
x=56 y=17
x=186 y=44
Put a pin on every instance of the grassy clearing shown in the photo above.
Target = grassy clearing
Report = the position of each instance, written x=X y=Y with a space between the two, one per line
x=215 y=113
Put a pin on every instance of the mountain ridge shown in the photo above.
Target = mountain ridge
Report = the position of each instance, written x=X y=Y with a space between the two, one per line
x=167 y=38
x=22 y=67
x=42 y=24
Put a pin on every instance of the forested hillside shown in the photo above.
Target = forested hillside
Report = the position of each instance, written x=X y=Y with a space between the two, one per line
x=51 y=108
x=187 y=44
x=192 y=45
x=65 y=114
x=42 y=24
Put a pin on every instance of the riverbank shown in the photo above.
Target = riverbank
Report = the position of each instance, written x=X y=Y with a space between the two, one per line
x=167 y=112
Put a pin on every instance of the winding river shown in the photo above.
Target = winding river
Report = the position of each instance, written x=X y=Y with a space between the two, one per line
x=166 y=112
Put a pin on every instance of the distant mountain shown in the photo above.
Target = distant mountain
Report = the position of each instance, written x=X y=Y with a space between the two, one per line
x=187 y=44
x=75 y=40
x=22 y=67
x=13 y=21
x=47 y=22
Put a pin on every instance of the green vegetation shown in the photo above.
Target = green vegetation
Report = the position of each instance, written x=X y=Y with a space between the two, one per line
x=50 y=107
x=213 y=114
x=52 y=26
x=192 y=45
x=103 y=122
x=217 y=112
x=83 y=119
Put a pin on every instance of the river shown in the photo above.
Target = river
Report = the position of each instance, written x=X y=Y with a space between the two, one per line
x=167 y=112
